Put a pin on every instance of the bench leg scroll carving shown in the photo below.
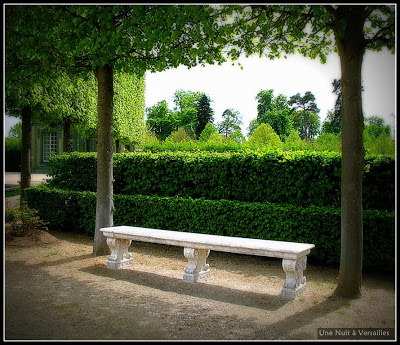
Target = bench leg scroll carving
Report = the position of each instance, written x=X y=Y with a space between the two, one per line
x=197 y=268
x=120 y=256
x=295 y=283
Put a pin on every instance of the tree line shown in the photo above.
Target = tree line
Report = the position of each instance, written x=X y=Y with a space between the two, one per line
x=282 y=122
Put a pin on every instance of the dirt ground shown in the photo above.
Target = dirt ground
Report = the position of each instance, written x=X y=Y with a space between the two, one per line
x=56 y=290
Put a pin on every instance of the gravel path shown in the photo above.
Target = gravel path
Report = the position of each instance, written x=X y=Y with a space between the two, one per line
x=56 y=290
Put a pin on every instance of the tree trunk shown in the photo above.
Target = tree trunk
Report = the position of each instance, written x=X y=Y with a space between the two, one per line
x=117 y=146
x=67 y=144
x=104 y=203
x=26 y=150
x=351 y=50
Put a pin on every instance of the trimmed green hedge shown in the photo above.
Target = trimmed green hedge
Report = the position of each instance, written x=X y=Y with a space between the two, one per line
x=302 y=178
x=317 y=225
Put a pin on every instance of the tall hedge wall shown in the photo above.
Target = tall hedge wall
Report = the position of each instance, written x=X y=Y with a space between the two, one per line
x=300 y=178
x=317 y=225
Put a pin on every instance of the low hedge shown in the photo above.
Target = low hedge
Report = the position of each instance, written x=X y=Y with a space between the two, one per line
x=284 y=222
x=301 y=178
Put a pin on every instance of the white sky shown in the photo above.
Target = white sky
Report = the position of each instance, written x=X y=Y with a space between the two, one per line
x=230 y=87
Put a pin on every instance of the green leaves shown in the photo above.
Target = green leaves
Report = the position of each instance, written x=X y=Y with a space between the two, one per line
x=300 y=178
x=282 y=222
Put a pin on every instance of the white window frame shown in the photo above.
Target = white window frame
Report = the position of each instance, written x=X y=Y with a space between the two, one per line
x=49 y=145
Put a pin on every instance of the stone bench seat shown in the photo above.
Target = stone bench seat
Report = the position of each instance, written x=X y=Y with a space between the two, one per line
x=197 y=248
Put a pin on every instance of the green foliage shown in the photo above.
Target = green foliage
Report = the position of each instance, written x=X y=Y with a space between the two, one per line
x=264 y=136
x=24 y=221
x=306 y=123
x=332 y=124
x=208 y=130
x=67 y=99
x=379 y=184
x=333 y=121
x=294 y=143
x=180 y=135
x=204 y=114
x=231 y=121
x=12 y=144
x=15 y=131
x=282 y=222
x=328 y=142
x=186 y=103
x=383 y=145
x=74 y=171
x=301 y=178
x=129 y=104
x=160 y=120
x=275 y=112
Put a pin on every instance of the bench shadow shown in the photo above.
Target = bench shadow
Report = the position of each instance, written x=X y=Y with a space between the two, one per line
x=198 y=290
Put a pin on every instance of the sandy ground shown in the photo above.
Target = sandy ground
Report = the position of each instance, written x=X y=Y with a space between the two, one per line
x=56 y=290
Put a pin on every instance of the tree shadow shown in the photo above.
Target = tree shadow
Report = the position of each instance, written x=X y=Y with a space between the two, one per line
x=56 y=262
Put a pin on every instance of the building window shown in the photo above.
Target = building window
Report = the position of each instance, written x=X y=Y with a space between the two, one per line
x=49 y=145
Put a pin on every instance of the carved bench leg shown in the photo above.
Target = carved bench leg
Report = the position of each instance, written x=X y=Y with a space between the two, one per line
x=197 y=268
x=295 y=283
x=120 y=256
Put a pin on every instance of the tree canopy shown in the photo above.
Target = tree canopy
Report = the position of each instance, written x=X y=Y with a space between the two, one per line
x=231 y=121
x=272 y=110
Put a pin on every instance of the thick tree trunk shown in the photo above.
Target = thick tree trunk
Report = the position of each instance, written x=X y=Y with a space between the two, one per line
x=67 y=145
x=26 y=150
x=351 y=50
x=104 y=204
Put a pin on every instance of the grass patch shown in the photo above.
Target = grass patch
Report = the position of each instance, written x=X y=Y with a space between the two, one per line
x=51 y=254
x=12 y=193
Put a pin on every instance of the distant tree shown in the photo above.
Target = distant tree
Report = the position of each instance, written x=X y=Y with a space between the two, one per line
x=186 y=103
x=376 y=137
x=336 y=121
x=274 y=111
x=238 y=137
x=161 y=121
x=306 y=123
x=305 y=115
x=252 y=127
x=15 y=131
x=264 y=136
x=375 y=126
x=329 y=126
x=333 y=121
x=204 y=114
x=231 y=122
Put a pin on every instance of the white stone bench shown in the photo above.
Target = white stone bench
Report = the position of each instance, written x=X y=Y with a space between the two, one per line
x=198 y=246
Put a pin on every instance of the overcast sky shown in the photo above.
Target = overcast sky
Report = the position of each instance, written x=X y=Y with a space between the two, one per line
x=230 y=87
